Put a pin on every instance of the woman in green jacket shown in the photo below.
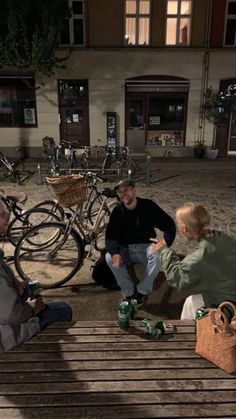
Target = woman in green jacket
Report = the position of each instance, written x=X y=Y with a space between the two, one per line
x=209 y=273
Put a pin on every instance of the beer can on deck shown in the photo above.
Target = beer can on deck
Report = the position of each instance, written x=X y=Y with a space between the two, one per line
x=34 y=289
x=123 y=312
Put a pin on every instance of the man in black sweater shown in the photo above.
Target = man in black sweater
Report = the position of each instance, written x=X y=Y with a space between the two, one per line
x=131 y=225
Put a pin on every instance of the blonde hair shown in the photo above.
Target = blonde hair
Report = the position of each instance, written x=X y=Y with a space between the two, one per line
x=196 y=218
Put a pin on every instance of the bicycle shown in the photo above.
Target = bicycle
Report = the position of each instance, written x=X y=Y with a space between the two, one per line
x=118 y=162
x=77 y=158
x=61 y=244
x=54 y=153
x=9 y=169
x=23 y=219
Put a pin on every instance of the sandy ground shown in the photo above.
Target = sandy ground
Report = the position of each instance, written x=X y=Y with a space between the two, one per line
x=173 y=182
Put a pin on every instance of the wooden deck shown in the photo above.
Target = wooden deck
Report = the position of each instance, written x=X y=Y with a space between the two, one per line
x=95 y=370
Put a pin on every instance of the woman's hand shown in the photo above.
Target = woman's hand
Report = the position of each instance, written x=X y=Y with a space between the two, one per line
x=157 y=244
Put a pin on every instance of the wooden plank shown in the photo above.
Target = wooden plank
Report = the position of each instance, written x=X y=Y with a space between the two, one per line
x=95 y=375
x=94 y=355
x=103 y=346
x=106 y=330
x=101 y=399
x=208 y=410
x=113 y=323
x=62 y=365
x=108 y=338
x=117 y=386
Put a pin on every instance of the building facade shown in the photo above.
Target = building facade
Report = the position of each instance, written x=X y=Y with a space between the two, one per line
x=137 y=75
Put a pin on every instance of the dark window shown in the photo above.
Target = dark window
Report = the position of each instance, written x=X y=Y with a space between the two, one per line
x=72 y=31
x=17 y=102
x=232 y=8
x=65 y=32
x=77 y=7
x=166 y=113
x=78 y=31
x=230 y=32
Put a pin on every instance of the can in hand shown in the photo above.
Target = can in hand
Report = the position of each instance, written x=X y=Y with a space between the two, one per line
x=34 y=289
x=123 y=312
x=133 y=308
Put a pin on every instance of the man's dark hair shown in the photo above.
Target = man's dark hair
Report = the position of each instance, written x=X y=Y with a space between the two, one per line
x=125 y=183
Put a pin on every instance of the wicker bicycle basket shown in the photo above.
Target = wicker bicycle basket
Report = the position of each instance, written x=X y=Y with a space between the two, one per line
x=68 y=190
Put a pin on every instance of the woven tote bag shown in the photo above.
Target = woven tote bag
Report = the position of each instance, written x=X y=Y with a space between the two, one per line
x=216 y=338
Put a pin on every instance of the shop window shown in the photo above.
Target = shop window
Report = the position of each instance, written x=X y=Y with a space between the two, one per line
x=178 y=22
x=73 y=28
x=17 y=102
x=230 y=24
x=137 y=22
x=166 y=121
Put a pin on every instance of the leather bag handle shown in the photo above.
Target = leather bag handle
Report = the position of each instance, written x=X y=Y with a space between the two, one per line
x=228 y=303
x=216 y=316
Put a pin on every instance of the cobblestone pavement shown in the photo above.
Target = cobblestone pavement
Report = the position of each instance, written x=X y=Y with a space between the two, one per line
x=173 y=182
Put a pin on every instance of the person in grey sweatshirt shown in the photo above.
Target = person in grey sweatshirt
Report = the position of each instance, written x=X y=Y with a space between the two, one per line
x=20 y=317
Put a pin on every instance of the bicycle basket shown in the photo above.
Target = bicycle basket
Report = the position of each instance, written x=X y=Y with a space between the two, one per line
x=68 y=190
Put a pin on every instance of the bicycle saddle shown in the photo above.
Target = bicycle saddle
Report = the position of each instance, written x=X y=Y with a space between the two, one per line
x=109 y=193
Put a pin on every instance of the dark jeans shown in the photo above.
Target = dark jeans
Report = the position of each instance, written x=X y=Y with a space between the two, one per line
x=53 y=312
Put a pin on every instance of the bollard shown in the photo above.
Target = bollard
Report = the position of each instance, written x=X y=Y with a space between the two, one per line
x=39 y=174
x=148 y=170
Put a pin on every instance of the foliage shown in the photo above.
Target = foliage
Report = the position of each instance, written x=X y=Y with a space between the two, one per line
x=29 y=34
x=219 y=104
x=199 y=144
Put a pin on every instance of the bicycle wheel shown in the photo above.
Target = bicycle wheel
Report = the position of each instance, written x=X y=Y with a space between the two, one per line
x=100 y=242
x=18 y=167
x=50 y=265
x=127 y=168
x=26 y=220
x=53 y=206
x=96 y=205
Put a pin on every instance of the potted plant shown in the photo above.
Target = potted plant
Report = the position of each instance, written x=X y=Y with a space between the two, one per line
x=217 y=107
x=199 y=149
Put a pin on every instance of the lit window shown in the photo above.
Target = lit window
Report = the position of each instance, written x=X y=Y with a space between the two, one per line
x=230 y=24
x=72 y=32
x=137 y=22
x=178 y=22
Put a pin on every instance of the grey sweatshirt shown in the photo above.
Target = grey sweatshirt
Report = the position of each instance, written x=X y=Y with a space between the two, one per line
x=17 y=320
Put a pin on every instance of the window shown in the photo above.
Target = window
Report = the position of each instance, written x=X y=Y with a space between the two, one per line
x=230 y=24
x=72 y=32
x=17 y=102
x=137 y=22
x=178 y=22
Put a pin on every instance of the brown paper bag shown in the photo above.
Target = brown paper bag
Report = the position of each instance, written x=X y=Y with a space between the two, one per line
x=216 y=338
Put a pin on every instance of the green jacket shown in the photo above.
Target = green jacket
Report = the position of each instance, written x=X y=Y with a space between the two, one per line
x=210 y=270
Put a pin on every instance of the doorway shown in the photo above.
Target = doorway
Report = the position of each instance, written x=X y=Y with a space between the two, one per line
x=73 y=111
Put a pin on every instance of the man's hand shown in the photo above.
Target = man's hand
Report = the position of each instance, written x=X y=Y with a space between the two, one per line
x=37 y=304
x=116 y=260
x=157 y=244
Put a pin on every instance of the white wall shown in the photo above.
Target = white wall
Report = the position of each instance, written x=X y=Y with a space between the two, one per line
x=106 y=72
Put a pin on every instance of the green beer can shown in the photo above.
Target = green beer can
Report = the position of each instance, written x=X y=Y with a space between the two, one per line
x=133 y=308
x=123 y=312
x=201 y=312
x=34 y=289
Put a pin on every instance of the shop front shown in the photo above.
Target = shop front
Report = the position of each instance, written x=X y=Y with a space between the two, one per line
x=156 y=109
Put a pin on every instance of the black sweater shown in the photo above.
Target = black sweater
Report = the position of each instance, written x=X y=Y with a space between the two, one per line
x=137 y=225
